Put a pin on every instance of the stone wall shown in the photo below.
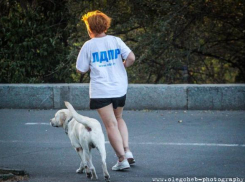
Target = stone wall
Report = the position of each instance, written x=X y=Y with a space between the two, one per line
x=139 y=96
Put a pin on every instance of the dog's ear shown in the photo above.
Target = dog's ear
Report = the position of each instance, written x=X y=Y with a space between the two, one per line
x=62 y=117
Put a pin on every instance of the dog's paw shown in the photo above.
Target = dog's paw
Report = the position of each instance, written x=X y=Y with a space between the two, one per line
x=89 y=175
x=94 y=177
x=107 y=178
x=80 y=170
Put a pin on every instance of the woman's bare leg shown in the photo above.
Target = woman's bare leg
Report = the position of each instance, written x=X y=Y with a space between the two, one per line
x=122 y=127
x=108 y=117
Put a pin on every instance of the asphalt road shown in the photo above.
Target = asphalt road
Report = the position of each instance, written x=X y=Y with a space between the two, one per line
x=206 y=144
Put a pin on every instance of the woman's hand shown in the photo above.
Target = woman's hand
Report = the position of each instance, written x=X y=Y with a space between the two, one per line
x=130 y=60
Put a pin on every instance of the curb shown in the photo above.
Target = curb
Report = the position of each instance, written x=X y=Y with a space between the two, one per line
x=13 y=174
x=139 y=96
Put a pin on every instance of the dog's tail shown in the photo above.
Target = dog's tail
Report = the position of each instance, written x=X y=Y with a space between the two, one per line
x=78 y=117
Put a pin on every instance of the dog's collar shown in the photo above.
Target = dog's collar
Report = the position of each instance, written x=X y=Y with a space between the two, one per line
x=69 y=119
x=66 y=126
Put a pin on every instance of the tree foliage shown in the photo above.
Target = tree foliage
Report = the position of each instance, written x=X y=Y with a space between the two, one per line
x=181 y=41
x=33 y=41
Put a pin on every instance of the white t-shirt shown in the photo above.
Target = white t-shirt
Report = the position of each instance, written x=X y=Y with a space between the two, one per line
x=103 y=56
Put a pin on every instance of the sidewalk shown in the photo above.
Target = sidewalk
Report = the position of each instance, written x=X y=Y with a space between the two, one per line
x=206 y=144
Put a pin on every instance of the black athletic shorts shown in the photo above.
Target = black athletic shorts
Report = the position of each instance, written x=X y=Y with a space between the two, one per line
x=98 y=103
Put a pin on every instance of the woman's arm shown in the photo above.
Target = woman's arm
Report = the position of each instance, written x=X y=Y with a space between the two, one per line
x=130 y=60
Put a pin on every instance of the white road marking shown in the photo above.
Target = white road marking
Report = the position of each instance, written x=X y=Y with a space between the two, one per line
x=191 y=144
x=21 y=141
x=37 y=123
x=186 y=144
x=143 y=143
x=162 y=143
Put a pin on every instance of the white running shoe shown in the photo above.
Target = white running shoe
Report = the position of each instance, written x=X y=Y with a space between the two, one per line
x=121 y=165
x=130 y=157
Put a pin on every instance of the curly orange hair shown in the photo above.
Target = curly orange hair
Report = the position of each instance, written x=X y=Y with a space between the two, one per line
x=96 y=21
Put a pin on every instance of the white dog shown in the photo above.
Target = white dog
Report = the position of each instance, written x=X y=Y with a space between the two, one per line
x=85 y=133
